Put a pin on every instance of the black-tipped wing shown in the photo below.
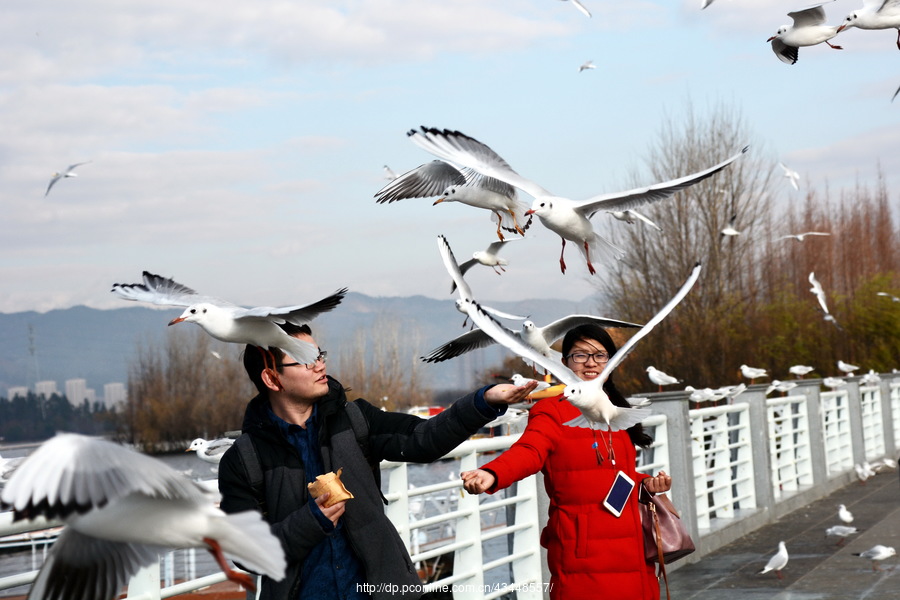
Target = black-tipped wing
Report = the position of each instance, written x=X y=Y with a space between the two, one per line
x=430 y=179
x=157 y=289
x=558 y=328
x=466 y=342
x=295 y=315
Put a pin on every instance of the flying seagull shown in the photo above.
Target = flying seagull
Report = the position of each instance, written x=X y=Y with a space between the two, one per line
x=802 y=236
x=808 y=29
x=587 y=65
x=793 y=176
x=121 y=510
x=630 y=216
x=597 y=411
x=580 y=7
x=568 y=218
x=875 y=14
x=464 y=185
x=231 y=323
x=67 y=173
x=487 y=257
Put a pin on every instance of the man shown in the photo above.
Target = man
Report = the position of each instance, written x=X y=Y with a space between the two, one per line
x=301 y=426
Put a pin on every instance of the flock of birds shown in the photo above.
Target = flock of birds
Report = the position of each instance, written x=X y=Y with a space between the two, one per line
x=876 y=553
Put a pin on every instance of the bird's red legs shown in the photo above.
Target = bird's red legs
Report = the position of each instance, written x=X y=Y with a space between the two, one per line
x=562 y=262
x=499 y=221
x=266 y=355
x=521 y=231
x=780 y=576
x=498 y=267
x=587 y=253
x=242 y=579
x=833 y=46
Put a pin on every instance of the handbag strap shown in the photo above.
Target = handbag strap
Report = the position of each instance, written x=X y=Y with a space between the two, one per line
x=659 y=547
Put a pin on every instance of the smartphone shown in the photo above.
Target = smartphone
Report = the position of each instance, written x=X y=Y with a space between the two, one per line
x=619 y=493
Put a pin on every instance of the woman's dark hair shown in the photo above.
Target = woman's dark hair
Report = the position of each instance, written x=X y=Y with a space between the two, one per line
x=255 y=361
x=595 y=333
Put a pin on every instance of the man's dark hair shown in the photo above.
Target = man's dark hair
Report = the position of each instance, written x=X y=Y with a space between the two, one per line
x=591 y=332
x=255 y=362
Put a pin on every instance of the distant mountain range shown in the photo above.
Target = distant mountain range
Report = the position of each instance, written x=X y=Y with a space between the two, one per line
x=98 y=345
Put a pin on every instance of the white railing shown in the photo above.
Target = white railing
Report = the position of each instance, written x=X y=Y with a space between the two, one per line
x=837 y=432
x=789 y=445
x=734 y=467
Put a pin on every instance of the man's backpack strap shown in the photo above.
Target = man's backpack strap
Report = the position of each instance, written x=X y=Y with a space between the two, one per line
x=360 y=427
x=250 y=460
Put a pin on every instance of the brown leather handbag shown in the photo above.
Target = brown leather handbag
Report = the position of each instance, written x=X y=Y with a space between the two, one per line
x=666 y=539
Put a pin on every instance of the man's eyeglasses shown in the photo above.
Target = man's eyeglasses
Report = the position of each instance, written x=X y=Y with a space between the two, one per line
x=323 y=356
x=581 y=357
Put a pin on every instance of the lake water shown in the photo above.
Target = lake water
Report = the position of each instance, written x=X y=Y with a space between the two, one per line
x=184 y=564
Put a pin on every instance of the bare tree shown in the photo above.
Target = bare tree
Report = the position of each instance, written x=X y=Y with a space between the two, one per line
x=193 y=387
x=382 y=365
x=657 y=263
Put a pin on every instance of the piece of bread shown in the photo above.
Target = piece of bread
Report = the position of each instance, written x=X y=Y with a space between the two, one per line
x=553 y=390
x=329 y=482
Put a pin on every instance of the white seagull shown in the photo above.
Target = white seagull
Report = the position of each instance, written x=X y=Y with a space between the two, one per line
x=597 y=411
x=487 y=257
x=752 y=373
x=863 y=471
x=780 y=386
x=589 y=64
x=844 y=515
x=818 y=291
x=660 y=378
x=846 y=367
x=808 y=29
x=520 y=380
x=122 y=509
x=67 y=173
x=841 y=531
x=389 y=173
x=730 y=230
x=580 y=7
x=568 y=218
x=875 y=14
x=778 y=561
x=465 y=185
x=629 y=216
x=801 y=370
x=833 y=382
x=228 y=322
x=886 y=295
x=210 y=451
x=794 y=178
x=883 y=463
x=876 y=554
x=801 y=236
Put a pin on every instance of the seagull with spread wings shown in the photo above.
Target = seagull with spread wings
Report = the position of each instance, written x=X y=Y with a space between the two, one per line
x=464 y=185
x=597 y=410
x=809 y=29
x=231 y=323
x=69 y=172
x=569 y=219
x=122 y=509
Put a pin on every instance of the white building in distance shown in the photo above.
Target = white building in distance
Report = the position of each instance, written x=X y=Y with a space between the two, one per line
x=77 y=392
x=45 y=388
x=114 y=394
x=21 y=391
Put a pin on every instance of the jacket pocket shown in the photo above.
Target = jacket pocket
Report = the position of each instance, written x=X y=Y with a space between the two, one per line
x=581 y=535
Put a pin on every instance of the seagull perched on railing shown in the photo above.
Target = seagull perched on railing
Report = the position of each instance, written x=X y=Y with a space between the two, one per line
x=800 y=370
x=660 y=378
x=569 y=219
x=780 y=386
x=122 y=509
x=752 y=373
x=231 y=323
x=846 y=367
x=597 y=411
x=833 y=382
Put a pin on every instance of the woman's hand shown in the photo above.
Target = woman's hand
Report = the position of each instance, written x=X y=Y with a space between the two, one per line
x=477 y=481
x=659 y=484
x=507 y=393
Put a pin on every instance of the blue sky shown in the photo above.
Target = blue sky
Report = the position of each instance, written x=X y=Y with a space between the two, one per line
x=236 y=146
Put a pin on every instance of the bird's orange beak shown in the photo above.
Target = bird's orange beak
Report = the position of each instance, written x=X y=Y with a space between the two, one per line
x=770 y=39
x=178 y=320
x=840 y=29
x=529 y=212
x=439 y=200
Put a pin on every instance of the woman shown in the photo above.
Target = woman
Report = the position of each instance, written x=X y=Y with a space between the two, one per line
x=591 y=552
